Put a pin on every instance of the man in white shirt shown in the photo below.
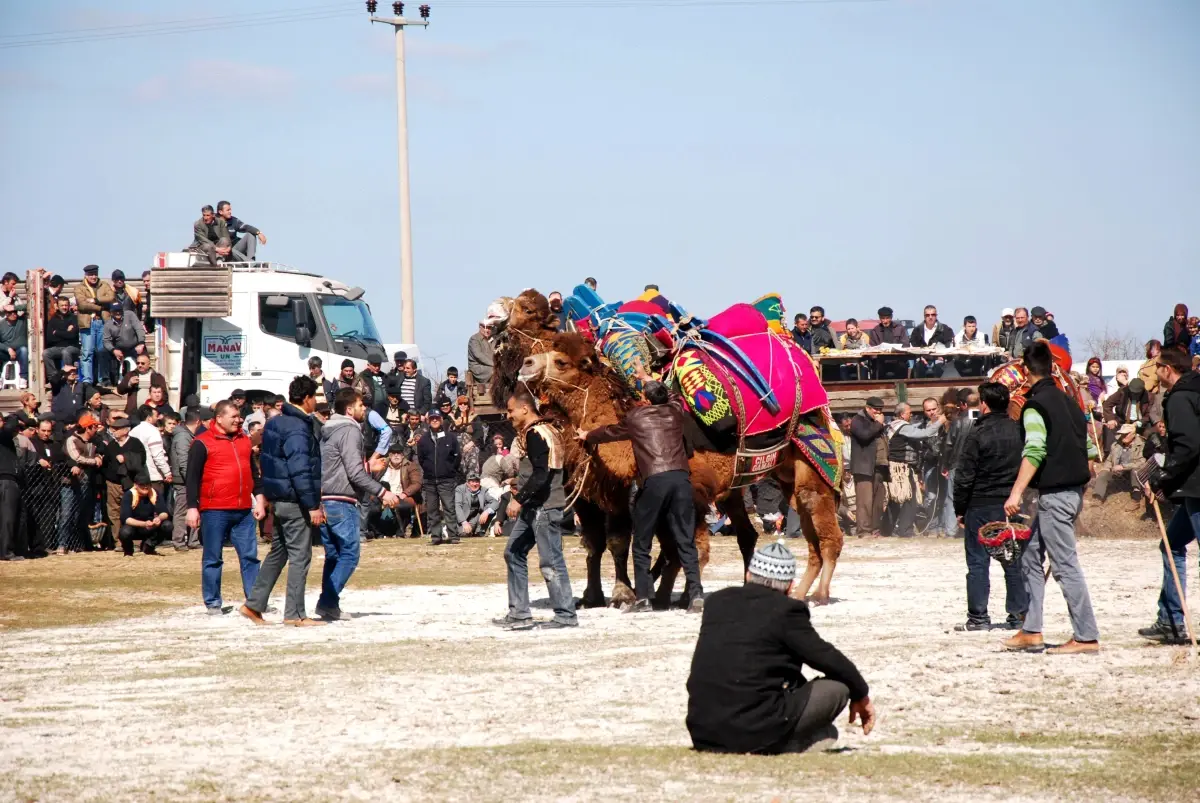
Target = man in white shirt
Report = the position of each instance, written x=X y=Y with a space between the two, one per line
x=157 y=462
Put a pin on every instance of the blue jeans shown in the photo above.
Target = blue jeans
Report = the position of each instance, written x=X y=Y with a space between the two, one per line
x=979 y=585
x=1182 y=530
x=90 y=342
x=215 y=525
x=543 y=528
x=22 y=360
x=340 y=536
x=71 y=523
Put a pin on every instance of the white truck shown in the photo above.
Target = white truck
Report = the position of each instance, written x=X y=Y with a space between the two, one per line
x=253 y=326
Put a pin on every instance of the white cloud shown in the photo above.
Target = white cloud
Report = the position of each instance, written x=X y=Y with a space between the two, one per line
x=257 y=79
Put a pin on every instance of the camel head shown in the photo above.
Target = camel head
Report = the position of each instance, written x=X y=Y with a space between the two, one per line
x=530 y=314
x=570 y=362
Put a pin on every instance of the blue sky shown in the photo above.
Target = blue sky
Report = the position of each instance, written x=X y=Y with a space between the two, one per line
x=970 y=153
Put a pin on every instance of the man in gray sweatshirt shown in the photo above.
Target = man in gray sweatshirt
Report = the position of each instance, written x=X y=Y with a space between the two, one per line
x=344 y=479
x=183 y=536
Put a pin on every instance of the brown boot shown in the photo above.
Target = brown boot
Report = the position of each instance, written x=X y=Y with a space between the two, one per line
x=1074 y=647
x=252 y=615
x=304 y=623
x=1024 y=642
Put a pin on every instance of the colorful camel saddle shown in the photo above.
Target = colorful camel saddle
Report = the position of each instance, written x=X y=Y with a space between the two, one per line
x=1013 y=376
x=736 y=373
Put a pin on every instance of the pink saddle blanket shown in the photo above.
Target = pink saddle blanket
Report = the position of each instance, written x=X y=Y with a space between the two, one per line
x=788 y=370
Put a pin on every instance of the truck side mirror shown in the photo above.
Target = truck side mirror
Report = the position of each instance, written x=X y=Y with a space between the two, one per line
x=300 y=316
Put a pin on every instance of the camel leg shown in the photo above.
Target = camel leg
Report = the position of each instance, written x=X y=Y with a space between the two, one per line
x=813 y=570
x=817 y=503
x=747 y=536
x=620 y=534
x=592 y=533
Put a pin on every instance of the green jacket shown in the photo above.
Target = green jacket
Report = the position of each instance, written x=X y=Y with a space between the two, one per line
x=200 y=229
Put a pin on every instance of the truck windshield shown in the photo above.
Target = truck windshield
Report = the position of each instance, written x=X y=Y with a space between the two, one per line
x=348 y=319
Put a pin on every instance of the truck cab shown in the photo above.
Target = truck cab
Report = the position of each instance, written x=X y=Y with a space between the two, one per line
x=275 y=318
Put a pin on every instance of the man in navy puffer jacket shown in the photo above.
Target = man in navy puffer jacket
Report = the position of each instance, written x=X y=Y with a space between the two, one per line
x=290 y=458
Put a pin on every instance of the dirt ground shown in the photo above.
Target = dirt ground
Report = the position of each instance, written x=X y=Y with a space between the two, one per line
x=421 y=698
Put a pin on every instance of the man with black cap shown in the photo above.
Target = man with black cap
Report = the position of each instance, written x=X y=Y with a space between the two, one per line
x=345 y=377
x=369 y=384
x=438 y=454
x=144 y=517
x=868 y=464
x=889 y=331
x=123 y=336
x=398 y=359
x=121 y=294
x=92 y=299
x=747 y=692
x=1129 y=405
x=182 y=536
x=1045 y=325
x=124 y=458
x=665 y=496
x=238 y=397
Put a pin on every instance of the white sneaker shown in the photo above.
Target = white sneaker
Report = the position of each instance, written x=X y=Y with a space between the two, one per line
x=22 y=384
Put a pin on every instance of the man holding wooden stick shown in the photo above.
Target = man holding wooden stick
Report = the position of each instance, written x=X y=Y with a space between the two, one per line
x=1179 y=481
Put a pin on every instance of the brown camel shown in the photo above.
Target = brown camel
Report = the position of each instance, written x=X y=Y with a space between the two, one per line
x=603 y=504
x=572 y=376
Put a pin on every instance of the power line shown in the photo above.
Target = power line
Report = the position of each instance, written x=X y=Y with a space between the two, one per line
x=325 y=11
x=172 y=29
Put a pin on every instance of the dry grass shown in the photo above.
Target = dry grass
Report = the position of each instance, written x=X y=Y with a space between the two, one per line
x=89 y=588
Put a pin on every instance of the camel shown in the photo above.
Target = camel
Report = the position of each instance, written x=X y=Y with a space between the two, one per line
x=523 y=326
x=571 y=376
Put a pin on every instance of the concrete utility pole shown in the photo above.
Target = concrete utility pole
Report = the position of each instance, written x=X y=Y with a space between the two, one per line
x=407 y=303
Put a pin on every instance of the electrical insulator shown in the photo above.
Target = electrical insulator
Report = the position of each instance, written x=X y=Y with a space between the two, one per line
x=398 y=9
x=425 y=11
x=372 y=5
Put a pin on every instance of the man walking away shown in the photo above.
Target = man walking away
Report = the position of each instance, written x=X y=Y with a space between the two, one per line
x=224 y=501
x=438 y=454
x=1055 y=462
x=866 y=428
x=144 y=517
x=290 y=457
x=1179 y=481
x=984 y=475
x=343 y=480
x=665 y=489
x=747 y=692
x=182 y=536
x=10 y=490
x=538 y=510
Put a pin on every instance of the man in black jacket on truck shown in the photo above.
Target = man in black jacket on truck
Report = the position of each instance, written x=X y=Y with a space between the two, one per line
x=746 y=691
x=983 y=478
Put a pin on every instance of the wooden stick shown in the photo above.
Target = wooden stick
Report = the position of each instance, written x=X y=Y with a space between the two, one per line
x=1097 y=439
x=1187 y=616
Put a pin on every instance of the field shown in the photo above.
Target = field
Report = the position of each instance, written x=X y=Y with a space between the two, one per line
x=114 y=685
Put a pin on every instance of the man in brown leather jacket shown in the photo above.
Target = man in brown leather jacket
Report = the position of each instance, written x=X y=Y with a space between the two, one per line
x=665 y=496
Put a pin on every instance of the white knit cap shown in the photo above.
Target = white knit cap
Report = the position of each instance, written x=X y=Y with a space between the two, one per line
x=773 y=562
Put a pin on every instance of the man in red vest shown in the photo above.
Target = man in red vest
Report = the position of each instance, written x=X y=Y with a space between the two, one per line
x=224 y=500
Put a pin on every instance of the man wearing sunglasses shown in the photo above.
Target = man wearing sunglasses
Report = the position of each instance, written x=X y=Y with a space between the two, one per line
x=932 y=333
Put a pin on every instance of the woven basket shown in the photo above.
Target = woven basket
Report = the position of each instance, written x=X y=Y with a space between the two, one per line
x=1004 y=540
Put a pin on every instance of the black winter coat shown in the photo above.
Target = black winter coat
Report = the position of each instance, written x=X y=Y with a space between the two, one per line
x=753 y=643
x=864 y=436
x=439 y=457
x=1181 y=412
x=987 y=468
x=941 y=334
x=68 y=401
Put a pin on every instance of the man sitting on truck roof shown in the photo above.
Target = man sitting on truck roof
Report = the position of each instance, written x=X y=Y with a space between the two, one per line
x=211 y=236
x=243 y=237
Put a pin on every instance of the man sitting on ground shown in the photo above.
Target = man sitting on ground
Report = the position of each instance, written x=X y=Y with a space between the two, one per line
x=144 y=517
x=1123 y=459
x=472 y=508
x=747 y=692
